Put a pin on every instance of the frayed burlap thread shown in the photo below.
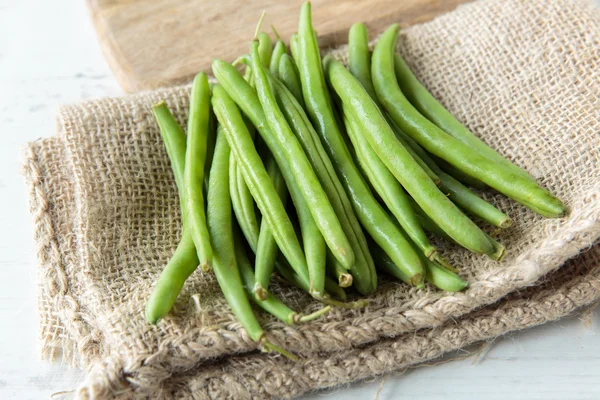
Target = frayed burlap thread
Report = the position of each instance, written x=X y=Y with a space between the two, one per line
x=524 y=76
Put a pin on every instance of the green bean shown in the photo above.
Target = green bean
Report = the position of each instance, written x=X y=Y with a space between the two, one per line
x=278 y=51
x=210 y=149
x=265 y=48
x=184 y=260
x=397 y=159
x=316 y=199
x=311 y=144
x=258 y=180
x=242 y=201
x=266 y=251
x=306 y=52
x=441 y=144
x=337 y=271
x=220 y=226
x=458 y=193
x=390 y=190
x=288 y=73
x=270 y=303
x=397 y=201
x=195 y=159
x=331 y=287
x=427 y=105
x=359 y=56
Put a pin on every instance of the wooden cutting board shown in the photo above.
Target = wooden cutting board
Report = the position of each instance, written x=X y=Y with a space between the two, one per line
x=153 y=43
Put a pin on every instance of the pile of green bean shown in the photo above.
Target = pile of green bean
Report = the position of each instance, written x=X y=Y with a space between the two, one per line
x=369 y=160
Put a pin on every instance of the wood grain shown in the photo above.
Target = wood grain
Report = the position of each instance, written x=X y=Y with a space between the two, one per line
x=153 y=43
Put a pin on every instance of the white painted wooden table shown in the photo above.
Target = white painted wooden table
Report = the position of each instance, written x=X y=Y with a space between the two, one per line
x=48 y=56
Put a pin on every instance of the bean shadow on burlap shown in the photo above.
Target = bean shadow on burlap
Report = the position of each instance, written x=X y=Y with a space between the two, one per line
x=524 y=76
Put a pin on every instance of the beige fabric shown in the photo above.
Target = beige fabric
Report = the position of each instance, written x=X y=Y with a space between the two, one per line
x=525 y=76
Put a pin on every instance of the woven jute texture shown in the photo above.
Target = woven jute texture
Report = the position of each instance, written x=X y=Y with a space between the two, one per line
x=525 y=76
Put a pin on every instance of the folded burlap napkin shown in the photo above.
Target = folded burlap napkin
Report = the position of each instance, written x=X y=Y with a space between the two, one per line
x=524 y=75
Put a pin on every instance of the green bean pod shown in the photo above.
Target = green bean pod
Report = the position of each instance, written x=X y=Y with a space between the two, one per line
x=459 y=175
x=399 y=161
x=427 y=105
x=184 y=260
x=316 y=199
x=278 y=51
x=311 y=144
x=220 y=226
x=441 y=144
x=267 y=250
x=390 y=190
x=288 y=74
x=306 y=53
x=242 y=201
x=359 y=57
x=265 y=48
x=338 y=272
x=258 y=180
x=195 y=160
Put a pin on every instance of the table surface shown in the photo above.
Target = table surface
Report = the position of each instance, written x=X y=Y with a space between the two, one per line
x=49 y=56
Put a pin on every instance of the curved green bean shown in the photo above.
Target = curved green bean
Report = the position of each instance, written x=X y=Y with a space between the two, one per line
x=390 y=190
x=311 y=144
x=242 y=201
x=278 y=51
x=258 y=180
x=184 y=260
x=441 y=144
x=195 y=159
x=265 y=48
x=399 y=161
x=220 y=226
x=316 y=199
x=427 y=105
x=359 y=57
x=288 y=74
x=267 y=250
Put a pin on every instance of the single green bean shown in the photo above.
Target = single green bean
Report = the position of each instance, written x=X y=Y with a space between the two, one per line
x=267 y=250
x=184 y=260
x=243 y=203
x=390 y=190
x=270 y=303
x=399 y=161
x=278 y=51
x=288 y=74
x=427 y=105
x=265 y=48
x=258 y=180
x=441 y=144
x=311 y=144
x=307 y=55
x=359 y=57
x=220 y=226
x=316 y=199
x=195 y=159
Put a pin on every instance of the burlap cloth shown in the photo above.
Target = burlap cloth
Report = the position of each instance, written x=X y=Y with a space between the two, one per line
x=524 y=75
